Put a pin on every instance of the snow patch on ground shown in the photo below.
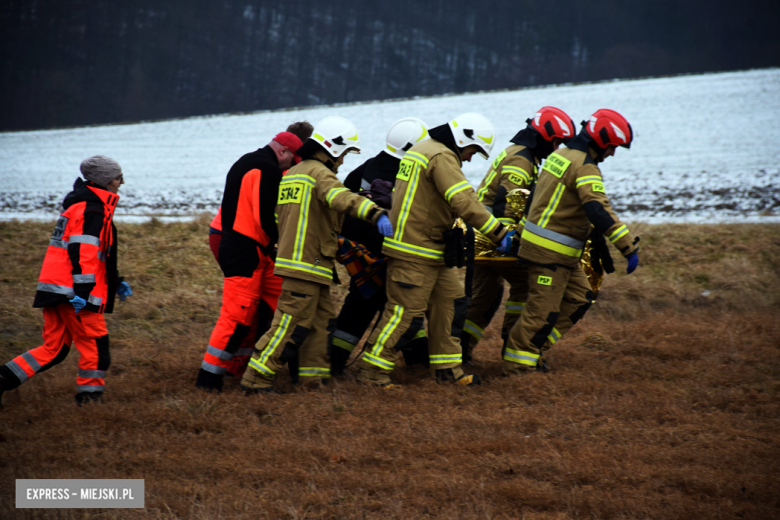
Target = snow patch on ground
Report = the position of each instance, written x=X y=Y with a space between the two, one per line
x=706 y=148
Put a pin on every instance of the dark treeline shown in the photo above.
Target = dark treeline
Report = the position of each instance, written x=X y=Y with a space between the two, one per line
x=67 y=62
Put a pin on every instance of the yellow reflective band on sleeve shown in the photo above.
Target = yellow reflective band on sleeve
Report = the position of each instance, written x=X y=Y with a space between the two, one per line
x=314 y=372
x=378 y=361
x=515 y=307
x=422 y=333
x=324 y=272
x=332 y=194
x=554 y=336
x=415 y=250
x=445 y=358
x=507 y=221
x=457 y=188
x=490 y=225
x=276 y=217
x=387 y=331
x=343 y=344
x=517 y=175
x=473 y=329
x=521 y=357
x=618 y=234
x=298 y=177
x=556 y=165
x=549 y=244
x=588 y=179
x=552 y=205
x=365 y=209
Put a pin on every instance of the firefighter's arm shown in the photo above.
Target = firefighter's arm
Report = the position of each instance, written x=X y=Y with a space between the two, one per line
x=515 y=172
x=460 y=195
x=330 y=191
x=83 y=249
x=590 y=187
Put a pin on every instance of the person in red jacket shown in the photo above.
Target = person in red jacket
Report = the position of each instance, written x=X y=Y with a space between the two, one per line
x=77 y=284
x=246 y=256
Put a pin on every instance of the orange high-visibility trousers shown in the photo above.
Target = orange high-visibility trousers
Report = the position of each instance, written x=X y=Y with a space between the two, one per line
x=233 y=338
x=62 y=326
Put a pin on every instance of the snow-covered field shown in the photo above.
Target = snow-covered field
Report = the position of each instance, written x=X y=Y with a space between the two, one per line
x=707 y=148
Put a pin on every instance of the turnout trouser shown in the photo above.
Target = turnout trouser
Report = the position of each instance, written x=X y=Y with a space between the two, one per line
x=557 y=299
x=300 y=329
x=248 y=304
x=488 y=293
x=415 y=291
x=61 y=328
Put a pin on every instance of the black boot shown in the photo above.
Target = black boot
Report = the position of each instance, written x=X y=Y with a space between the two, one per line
x=89 y=397
x=416 y=353
x=209 y=382
x=465 y=347
x=338 y=360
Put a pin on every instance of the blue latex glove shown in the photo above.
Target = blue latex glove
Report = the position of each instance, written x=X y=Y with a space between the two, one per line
x=78 y=303
x=633 y=261
x=384 y=226
x=123 y=291
x=506 y=243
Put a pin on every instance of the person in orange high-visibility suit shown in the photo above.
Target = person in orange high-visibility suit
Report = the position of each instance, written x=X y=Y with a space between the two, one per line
x=246 y=254
x=77 y=284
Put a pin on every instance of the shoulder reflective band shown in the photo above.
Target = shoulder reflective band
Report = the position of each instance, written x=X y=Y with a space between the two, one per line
x=491 y=175
x=618 y=234
x=455 y=189
x=498 y=159
x=598 y=187
x=544 y=280
x=556 y=165
x=588 y=179
x=291 y=193
x=552 y=205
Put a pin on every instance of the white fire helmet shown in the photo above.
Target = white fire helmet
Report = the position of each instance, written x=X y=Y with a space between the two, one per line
x=404 y=134
x=337 y=135
x=471 y=128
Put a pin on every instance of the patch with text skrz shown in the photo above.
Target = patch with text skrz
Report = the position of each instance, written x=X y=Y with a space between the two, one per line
x=405 y=170
x=545 y=280
x=556 y=165
x=291 y=193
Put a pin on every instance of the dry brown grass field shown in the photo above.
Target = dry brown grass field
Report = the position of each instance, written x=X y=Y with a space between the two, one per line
x=662 y=403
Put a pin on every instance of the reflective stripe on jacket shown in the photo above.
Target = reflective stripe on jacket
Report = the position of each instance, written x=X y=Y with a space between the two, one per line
x=79 y=248
x=557 y=224
x=310 y=202
x=512 y=169
x=430 y=193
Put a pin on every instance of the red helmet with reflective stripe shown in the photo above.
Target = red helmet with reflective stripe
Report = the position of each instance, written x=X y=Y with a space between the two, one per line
x=606 y=127
x=551 y=122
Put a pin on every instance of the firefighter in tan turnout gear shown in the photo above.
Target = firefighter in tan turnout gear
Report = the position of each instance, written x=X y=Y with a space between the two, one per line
x=515 y=167
x=430 y=193
x=569 y=198
x=310 y=202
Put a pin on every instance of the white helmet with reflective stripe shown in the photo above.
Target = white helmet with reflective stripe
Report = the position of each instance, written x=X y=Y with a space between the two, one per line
x=471 y=128
x=404 y=134
x=337 y=135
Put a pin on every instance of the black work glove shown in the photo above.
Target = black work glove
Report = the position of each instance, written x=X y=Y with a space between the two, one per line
x=599 y=254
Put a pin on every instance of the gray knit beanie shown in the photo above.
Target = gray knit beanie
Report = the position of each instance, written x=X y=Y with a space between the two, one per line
x=100 y=169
